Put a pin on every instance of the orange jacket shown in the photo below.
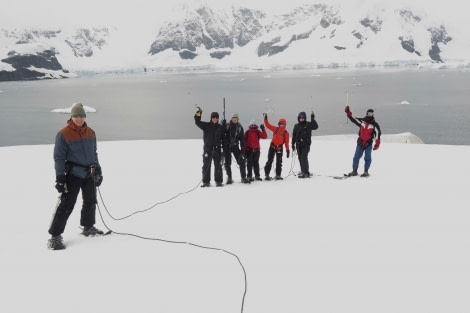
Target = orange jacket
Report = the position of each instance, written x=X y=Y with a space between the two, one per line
x=280 y=134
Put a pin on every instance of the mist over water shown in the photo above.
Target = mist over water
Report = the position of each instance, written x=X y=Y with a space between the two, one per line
x=432 y=104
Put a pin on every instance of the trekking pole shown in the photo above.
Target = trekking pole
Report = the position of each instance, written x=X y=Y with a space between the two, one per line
x=224 y=108
x=347 y=103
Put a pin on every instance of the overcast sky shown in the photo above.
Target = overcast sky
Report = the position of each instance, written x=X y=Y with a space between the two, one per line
x=45 y=13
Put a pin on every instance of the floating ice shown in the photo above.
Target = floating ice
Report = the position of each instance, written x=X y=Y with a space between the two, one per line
x=68 y=110
x=404 y=102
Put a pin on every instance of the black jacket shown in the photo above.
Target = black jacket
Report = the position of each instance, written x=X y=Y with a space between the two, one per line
x=234 y=135
x=302 y=133
x=213 y=134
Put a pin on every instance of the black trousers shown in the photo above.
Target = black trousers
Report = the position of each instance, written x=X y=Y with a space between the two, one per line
x=252 y=158
x=67 y=204
x=302 y=152
x=273 y=151
x=207 y=158
x=238 y=157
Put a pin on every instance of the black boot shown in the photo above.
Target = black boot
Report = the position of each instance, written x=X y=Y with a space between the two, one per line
x=353 y=173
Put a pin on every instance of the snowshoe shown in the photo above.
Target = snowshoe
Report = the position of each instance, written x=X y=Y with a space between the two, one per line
x=91 y=231
x=56 y=243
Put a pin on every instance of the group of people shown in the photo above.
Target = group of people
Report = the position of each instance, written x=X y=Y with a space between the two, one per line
x=222 y=140
x=77 y=167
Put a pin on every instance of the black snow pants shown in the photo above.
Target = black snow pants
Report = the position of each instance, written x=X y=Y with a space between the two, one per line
x=274 y=151
x=303 y=158
x=235 y=150
x=207 y=158
x=67 y=203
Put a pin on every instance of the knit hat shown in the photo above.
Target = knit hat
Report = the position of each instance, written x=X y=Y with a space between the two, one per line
x=214 y=114
x=235 y=115
x=252 y=122
x=77 y=108
x=370 y=112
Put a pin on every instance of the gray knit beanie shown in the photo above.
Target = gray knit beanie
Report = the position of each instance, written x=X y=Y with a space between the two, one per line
x=77 y=109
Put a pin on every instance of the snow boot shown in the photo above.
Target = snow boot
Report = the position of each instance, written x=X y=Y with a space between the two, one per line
x=219 y=184
x=258 y=178
x=353 y=173
x=365 y=174
x=267 y=178
x=205 y=185
x=229 y=180
x=278 y=178
x=245 y=181
x=56 y=243
x=91 y=231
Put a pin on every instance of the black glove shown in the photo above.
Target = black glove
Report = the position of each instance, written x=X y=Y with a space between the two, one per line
x=288 y=153
x=60 y=183
x=293 y=147
x=265 y=116
x=312 y=115
x=262 y=127
x=198 y=112
x=224 y=122
x=98 y=176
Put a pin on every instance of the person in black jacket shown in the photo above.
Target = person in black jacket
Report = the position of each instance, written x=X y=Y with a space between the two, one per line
x=233 y=144
x=213 y=140
x=301 y=140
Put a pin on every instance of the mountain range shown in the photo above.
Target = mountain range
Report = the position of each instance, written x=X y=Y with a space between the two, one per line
x=238 y=38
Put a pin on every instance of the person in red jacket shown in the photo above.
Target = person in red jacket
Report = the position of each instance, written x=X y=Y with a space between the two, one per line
x=369 y=130
x=280 y=138
x=252 y=149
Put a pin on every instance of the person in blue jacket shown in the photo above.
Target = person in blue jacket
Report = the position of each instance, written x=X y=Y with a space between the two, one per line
x=76 y=168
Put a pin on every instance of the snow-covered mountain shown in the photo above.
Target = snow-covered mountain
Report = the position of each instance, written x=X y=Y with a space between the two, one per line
x=239 y=38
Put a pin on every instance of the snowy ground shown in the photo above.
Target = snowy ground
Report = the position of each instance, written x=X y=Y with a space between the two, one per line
x=395 y=242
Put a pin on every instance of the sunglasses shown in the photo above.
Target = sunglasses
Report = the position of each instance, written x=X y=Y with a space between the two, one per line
x=370 y=113
x=79 y=115
x=281 y=124
x=215 y=117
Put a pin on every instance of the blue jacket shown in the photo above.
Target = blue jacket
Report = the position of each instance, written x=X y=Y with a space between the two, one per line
x=75 y=150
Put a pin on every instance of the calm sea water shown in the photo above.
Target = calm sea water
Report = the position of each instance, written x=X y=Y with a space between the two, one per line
x=432 y=104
